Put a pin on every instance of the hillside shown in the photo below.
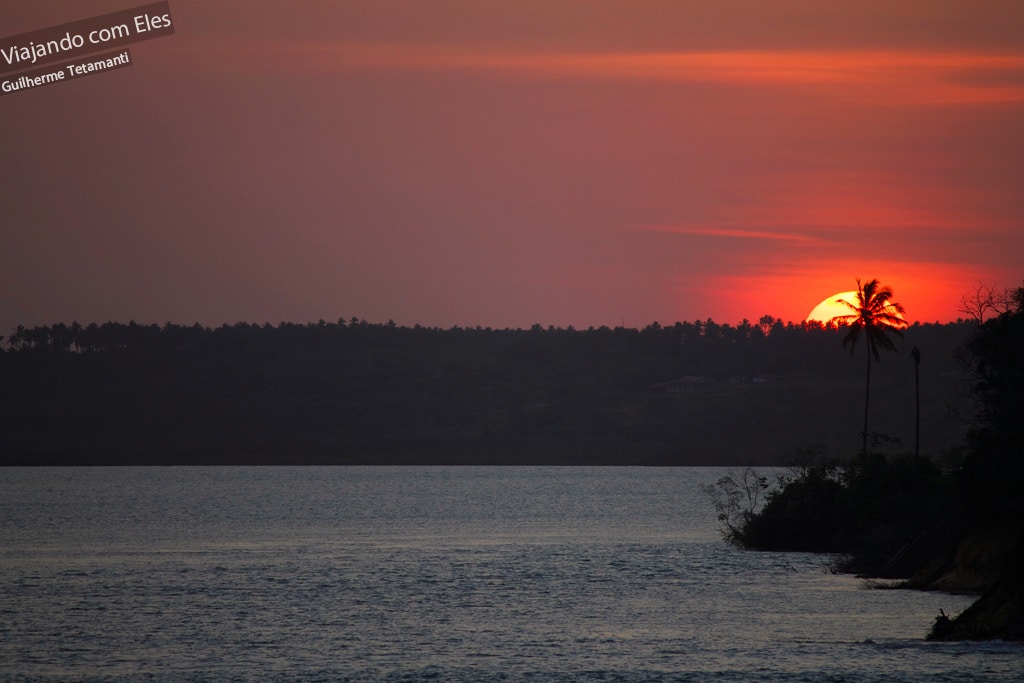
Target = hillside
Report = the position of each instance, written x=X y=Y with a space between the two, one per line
x=355 y=392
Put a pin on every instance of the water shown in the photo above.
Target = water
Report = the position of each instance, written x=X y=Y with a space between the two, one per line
x=439 y=574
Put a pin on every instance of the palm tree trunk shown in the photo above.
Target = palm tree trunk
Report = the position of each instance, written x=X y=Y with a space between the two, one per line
x=867 y=396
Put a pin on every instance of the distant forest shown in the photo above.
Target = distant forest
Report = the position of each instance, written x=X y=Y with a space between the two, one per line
x=352 y=392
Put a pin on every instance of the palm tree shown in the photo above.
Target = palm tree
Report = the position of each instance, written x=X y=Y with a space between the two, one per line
x=874 y=314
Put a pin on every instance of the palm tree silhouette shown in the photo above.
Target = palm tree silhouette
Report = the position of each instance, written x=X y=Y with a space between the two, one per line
x=874 y=314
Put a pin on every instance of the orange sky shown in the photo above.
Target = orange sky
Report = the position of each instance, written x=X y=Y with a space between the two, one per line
x=510 y=163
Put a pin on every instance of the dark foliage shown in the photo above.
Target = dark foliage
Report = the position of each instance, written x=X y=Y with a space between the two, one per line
x=878 y=510
x=903 y=517
x=995 y=465
x=798 y=517
x=356 y=392
x=990 y=499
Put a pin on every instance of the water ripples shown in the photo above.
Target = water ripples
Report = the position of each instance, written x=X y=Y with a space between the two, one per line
x=451 y=574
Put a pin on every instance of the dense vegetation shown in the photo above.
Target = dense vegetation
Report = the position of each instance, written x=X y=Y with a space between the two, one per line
x=356 y=392
x=898 y=516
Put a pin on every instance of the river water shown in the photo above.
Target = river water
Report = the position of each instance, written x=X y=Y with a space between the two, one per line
x=432 y=574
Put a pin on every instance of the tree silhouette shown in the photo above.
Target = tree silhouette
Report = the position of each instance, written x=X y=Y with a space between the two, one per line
x=915 y=353
x=874 y=314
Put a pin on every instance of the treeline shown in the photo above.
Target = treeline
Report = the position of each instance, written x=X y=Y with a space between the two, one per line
x=704 y=339
x=697 y=348
x=357 y=392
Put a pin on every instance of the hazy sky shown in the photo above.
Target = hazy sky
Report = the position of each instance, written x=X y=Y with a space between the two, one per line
x=510 y=163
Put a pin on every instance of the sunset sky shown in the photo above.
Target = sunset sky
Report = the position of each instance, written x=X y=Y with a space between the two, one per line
x=518 y=162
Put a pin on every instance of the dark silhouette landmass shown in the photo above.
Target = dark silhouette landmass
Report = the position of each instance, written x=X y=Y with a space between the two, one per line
x=353 y=392
x=899 y=516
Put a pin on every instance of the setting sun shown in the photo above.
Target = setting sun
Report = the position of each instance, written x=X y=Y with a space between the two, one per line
x=831 y=307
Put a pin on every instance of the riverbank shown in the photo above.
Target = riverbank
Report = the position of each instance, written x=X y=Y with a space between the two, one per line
x=991 y=564
x=892 y=518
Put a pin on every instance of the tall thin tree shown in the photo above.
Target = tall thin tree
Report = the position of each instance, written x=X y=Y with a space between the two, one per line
x=875 y=315
x=915 y=353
